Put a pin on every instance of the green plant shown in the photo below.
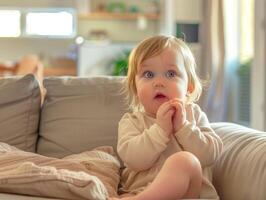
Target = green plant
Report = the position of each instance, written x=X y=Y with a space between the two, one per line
x=120 y=65
x=244 y=68
x=116 y=7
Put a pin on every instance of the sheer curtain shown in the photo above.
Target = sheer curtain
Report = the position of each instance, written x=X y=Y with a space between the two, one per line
x=214 y=99
x=258 y=85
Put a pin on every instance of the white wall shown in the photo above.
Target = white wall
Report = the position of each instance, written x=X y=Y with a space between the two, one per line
x=13 y=49
x=187 y=10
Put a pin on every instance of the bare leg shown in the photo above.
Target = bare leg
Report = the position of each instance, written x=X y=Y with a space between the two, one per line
x=31 y=64
x=180 y=177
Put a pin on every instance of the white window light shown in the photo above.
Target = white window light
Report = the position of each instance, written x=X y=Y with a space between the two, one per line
x=53 y=24
x=10 y=23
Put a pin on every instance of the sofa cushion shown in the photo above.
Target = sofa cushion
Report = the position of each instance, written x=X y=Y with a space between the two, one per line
x=88 y=175
x=19 y=111
x=240 y=172
x=79 y=114
x=22 y=197
x=102 y=163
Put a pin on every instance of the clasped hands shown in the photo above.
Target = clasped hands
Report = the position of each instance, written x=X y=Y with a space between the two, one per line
x=171 y=116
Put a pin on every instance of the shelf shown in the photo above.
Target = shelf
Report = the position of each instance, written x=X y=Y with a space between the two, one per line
x=60 y=71
x=117 y=16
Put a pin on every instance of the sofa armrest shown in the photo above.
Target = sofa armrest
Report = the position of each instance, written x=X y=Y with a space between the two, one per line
x=240 y=171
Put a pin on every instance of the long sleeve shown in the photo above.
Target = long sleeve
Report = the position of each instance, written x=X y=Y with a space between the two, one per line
x=197 y=137
x=139 y=147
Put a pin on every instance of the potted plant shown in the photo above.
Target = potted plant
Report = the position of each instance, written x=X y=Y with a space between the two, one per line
x=120 y=65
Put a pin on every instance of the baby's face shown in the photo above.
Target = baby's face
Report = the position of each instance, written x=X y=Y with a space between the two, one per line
x=161 y=78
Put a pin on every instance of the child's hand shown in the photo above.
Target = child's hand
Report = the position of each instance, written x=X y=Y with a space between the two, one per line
x=179 y=117
x=164 y=117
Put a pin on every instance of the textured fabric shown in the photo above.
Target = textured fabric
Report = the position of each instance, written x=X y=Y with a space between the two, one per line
x=102 y=163
x=144 y=147
x=20 y=102
x=79 y=114
x=5 y=196
x=77 y=177
x=240 y=173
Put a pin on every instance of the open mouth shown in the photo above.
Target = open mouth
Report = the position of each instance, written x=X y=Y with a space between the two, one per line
x=160 y=96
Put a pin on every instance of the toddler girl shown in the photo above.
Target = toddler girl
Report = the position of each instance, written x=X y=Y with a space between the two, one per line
x=166 y=143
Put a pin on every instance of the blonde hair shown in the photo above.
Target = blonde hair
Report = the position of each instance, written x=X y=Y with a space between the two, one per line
x=151 y=47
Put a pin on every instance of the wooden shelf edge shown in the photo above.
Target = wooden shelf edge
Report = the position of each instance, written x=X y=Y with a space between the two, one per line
x=60 y=71
x=117 y=16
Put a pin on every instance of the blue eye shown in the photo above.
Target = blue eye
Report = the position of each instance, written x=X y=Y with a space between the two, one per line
x=171 y=74
x=148 y=74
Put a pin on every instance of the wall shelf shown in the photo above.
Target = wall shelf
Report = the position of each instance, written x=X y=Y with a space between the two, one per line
x=60 y=71
x=116 y=16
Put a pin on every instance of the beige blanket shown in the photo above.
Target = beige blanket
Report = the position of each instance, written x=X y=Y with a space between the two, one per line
x=90 y=175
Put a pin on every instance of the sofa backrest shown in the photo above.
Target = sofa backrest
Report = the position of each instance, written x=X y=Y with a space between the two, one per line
x=240 y=171
x=20 y=102
x=79 y=114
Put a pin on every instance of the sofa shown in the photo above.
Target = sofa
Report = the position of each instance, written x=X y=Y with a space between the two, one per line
x=81 y=114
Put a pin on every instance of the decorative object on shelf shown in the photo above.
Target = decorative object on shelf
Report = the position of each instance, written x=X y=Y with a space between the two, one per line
x=101 y=8
x=142 y=22
x=152 y=7
x=118 y=7
x=98 y=35
x=133 y=9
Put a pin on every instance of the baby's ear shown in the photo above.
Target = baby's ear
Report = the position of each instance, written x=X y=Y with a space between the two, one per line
x=190 y=88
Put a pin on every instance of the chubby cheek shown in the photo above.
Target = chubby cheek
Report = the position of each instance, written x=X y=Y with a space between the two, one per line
x=143 y=94
x=178 y=91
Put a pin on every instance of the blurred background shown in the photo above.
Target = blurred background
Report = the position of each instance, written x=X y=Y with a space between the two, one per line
x=95 y=37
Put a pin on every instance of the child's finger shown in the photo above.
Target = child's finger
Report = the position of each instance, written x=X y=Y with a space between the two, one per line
x=177 y=104
x=176 y=100
x=165 y=107
x=169 y=114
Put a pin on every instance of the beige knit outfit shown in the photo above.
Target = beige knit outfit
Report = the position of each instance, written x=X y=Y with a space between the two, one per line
x=144 y=146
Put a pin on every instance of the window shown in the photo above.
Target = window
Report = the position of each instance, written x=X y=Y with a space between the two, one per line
x=50 y=24
x=239 y=29
x=247 y=30
x=10 y=23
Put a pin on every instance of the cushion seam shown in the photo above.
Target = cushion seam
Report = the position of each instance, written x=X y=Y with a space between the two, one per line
x=28 y=123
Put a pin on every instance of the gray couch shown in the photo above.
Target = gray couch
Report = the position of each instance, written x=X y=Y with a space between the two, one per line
x=80 y=114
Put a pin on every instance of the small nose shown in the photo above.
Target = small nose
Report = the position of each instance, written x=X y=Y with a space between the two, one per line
x=159 y=82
